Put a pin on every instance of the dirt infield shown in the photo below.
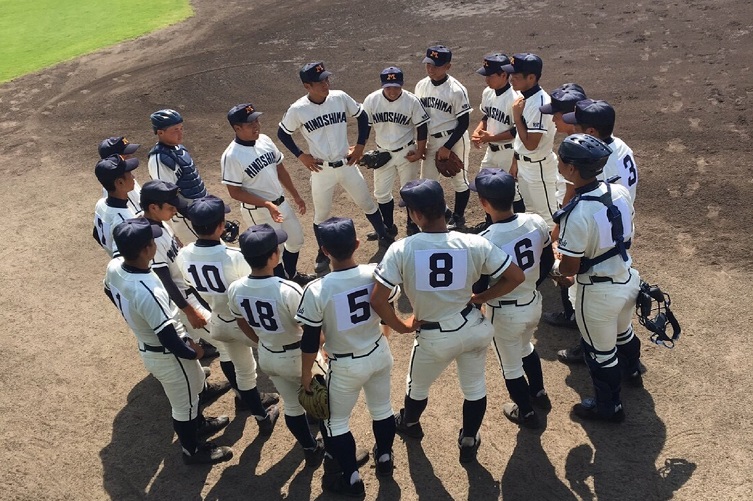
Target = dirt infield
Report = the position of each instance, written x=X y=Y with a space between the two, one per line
x=81 y=419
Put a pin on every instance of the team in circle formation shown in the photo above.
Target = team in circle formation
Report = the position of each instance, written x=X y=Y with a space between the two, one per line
x=566 y=215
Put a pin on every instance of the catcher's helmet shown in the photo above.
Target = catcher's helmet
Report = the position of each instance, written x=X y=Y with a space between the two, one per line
x=587 y=153
x=163 y=119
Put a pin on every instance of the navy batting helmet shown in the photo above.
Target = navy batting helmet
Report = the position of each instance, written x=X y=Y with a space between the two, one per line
x=163 y=119
x=587 y=153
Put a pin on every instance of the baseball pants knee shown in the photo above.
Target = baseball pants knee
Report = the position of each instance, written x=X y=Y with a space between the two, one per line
x=513 y=331
x=182 y=380
x=538 y=186
x=242 y=356
x=350 y=178
x=397 y=168
x=462 y=149
x=284 y=369
x=292 y=226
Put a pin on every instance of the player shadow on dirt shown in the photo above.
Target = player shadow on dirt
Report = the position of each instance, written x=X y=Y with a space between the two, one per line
x=143 y=459
x=623 y=458
x=427 y=484
x=481 y=483
x=550 y=339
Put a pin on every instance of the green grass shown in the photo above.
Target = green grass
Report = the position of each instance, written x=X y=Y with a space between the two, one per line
x=35 y=34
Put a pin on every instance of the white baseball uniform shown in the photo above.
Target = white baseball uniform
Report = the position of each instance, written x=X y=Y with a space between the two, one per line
x=146 y=307
x=394 y=123
x=537 y=169
x=254 y=168
x=496 y=104
x=621 y=163
x=211 y=267
x=134 y=197
x=359 y=355
x=324 y=127
x=437 y=272
x=108 y=213
x=516 y=315
x=269 y=306
x=445 y=103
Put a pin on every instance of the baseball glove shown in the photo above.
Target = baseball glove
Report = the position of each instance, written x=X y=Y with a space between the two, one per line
x=373 y=159
x=230 y=235
x=450 y=166
x=316 y=402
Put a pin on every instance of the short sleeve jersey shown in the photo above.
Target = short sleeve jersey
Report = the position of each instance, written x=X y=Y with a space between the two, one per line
x=269 y=306
x=324 y=126
x=537 y=123
x=108 y=213
x=340 y=303
x=254 y=168
x=497 y=110
x=523 y=237
x=586 y=232
x=621 y=163
x=393 y=122
x=437 y=270
x=134 y=197
x=444 y=103
x=211 y=268
x=143 y=302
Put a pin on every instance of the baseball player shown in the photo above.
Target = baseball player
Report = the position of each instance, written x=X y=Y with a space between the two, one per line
x=525 y=237
x=596 y=227
x=563 y=100
x=211 y=267
x=264 y=307
x=114 y=174
x=167 y=353
x=170 y=161
x=497 y=128
x=337 y=306
x=393 y=115
x=254 y=174
x=122 y=146
x=446 y=101
x=537 y=163
x=322 y=115
x=437 y=270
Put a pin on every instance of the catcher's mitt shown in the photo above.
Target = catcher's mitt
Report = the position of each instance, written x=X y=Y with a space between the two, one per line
x=450 y=166
x=373 y=159
x=316 y=403
x=230 y=235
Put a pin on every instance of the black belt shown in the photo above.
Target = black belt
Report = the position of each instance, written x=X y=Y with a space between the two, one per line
x=334 y=165
x=155 y=349
x=597 y=280
x=497 y=147
x=411 y=143
x=528 y=159
x=286 y=347
x=276 y=202
x=515 y=302
x=427 y=326
x=443 y=133
x=351 y=355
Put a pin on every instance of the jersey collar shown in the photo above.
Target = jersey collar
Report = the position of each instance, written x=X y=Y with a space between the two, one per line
x=116 y=202
x=608 y=140
x=203 y=242
x=501 y=91
x=508 y=220
x=133 y=269
x=245 y=143
x=530 y=92
x=154 y=221
x=437 y=83
x=588 y=187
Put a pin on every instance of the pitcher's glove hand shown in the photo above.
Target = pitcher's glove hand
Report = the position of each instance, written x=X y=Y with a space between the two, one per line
x=230 y=235
x=450 y=166
x=315 y=402
x=373 y=159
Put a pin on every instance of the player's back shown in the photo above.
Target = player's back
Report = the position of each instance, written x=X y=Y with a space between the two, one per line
x=269 y=306
x=211 y=267
x=523 y=238
x=621 y=163
x=108 y=213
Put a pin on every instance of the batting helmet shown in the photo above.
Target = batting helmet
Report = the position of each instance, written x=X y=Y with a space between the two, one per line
x=163 y=119
x=587 y=153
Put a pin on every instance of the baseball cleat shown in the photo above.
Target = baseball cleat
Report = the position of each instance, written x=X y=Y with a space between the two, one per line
x=331 y=466
x=341 y=485
x=267 y=400
x=477 y=228
x=456 y=223
x=373 y=235
x=210 y=351
x=385 y=242
x=303 y=278
x=213 y=391
x=586 y=410
x=207 y=371
x=559 y=319
x=314 y=456
x=322 y=265
x=267 y=425
x=572 y=355
x=405 y=430
x=468 y=449
x=208 y=453
x=211 y=425
x=512 y=412
x=541 y=400
x=383 y=468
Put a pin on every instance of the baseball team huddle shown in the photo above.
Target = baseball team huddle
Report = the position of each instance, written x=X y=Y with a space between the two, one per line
x=564 y=214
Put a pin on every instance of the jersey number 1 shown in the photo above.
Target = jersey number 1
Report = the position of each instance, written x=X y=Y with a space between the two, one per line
x=264 y=312
x=211 y=279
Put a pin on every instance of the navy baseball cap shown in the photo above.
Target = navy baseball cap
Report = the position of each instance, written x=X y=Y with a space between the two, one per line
x=117 y=146
x=313 y=72
x=335 y=232
x=260 y=239
x=132 y=235
x=591 y=112
x=438 y=55
x=493 y=64
x=494 y=184
x=207 y=210
x=111 y=168
x=524 y=63
x=159 y=191
x=391 y=77
x=243 y=113
x=563 y=101
x=421 y=193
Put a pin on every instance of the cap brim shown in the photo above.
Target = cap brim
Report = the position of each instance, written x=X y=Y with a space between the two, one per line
x=156 y=231
x=472 y=186
x=508 y=68
x=130 y=148
x=428 y=60
x=392 y=84
x=546 y=109
x=227 y=208
x=179 y=203
x=324 y=74
x=482 y=71
x=131 y=163
x=569 y=118
x=282 y=236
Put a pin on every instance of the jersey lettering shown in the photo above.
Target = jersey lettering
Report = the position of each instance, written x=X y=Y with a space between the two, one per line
x=122 y=304
x=437 y=104
x=445 y=269
x=103 y=229
x=392 y=117
x=260 y=313
x=630 y=166
x=268 y=158
x=352 y=307
x=208 y=278
x=324 y=120
x=498 y=115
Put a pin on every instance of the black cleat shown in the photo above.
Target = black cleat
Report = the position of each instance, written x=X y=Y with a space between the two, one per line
x=213 y=391
x=383 y=468
x=586 y=410
x=512 y=412
x=468 y=452
x=315 y=456
x=541 y=400
x=302 y=278
x=331 y=466
x=211 y=425
x=341 y=485
x=559 y=319
x=208 y=453
x=572 y=355
x=267 y=425
x=405 y=430
x=456 y=223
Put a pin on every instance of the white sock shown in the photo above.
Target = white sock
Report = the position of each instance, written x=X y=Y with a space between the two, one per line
x=354 y=477
x=384 y=458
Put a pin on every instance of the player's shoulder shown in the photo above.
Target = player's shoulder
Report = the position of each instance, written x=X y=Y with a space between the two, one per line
x=289 y=287
x=314 y=287
x=337 y=94
x=374 y=96
x=301 y=102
